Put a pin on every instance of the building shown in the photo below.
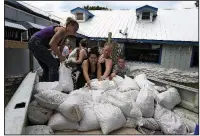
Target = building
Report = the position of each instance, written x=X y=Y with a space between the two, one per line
x=22 y=21
x=167 y=37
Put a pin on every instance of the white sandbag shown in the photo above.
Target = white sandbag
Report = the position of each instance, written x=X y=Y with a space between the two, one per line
x=38 y=130
x=118 y=80
x=128 y=96
x=170 y=98
x=142 y=80
x=38 y=115
x=152 y=89
x=109 y=117
x=43 y=86
x=89 y=120
x=184 y=113
x=191 y=125
x=128 y=84
x=136 y=112
x=59 y=122
x=99 y=85
x=65 y=78
x=112 y=85
x=145 y=101
x=72 y=106
x=124 y=102
x=150 y=123
x=73 y=54
x=96 y=95
x=160 y=88
x=124 y=106
x=169 y=122
x=145 y=131
x=50 y=99
x=130 y=123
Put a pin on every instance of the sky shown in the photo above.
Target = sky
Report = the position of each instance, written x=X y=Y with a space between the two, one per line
x=68 y=5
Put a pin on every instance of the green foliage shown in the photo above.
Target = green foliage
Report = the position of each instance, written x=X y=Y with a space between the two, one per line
x=95 y=8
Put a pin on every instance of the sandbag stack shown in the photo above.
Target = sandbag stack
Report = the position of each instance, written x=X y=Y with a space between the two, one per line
x=110 y=105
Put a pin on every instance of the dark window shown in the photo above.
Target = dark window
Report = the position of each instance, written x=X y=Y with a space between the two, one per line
x=143 y=52
x=12 y=34
x=79 y=16
x=195 y=57
x=146 y=15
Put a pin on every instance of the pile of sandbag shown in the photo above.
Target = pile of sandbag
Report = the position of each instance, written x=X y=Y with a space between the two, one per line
x=109 y=105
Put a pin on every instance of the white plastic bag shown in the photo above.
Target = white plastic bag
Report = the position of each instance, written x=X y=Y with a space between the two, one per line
x=38 y=130
x=109 y=117
x=169 y=122
x=89 y=120
x=136 y=112
x=184 y=113
x=43 y=86
x=65 y=78
x=112 y=85
x=128 y=96
x=124 y=106
x=150 y=123
x=145 y=101
x=130 y=123
x=38 y=115
x=128 y=84
x=118 y=80
x=73 y=54
x=160 y=88
x=71 y=107
x=189 y=118
x=50 y=99
x=59 y=122
x=169 y=99
x=99 y=85
x=97 y=95
x=142 y=80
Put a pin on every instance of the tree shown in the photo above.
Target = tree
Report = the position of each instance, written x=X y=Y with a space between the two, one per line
x=95 y=8
x=197 y=3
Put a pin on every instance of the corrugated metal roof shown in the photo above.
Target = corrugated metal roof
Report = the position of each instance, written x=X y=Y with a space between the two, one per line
x=39 y=11
x=173 y=25
x=14 y=25
x=36 y=25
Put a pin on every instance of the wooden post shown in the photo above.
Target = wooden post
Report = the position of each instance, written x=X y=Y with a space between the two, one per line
x=30 y=61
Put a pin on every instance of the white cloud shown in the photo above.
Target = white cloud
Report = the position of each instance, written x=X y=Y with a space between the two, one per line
x=46 y=5
x=185 y=4
x=68 y=5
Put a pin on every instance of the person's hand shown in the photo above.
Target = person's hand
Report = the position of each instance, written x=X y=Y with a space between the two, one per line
x=88 y=84
x=62 y=58
x=112 y=75
x=102 y=78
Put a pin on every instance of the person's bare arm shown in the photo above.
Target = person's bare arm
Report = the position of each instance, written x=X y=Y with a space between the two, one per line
x=98 y=70
x=81 y=57
x=108 y=63
x=55 y=40
x=85 y=71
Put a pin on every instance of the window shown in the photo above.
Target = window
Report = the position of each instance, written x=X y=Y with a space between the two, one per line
x=79 y=16
x=143 y=52
x=12 y=34
x=145 y=15
x=195 y=57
